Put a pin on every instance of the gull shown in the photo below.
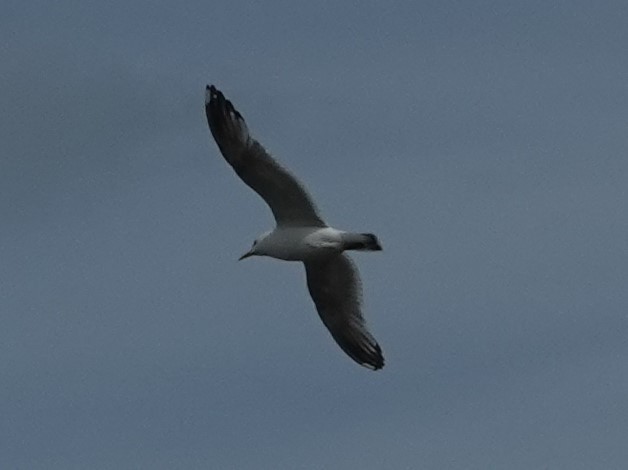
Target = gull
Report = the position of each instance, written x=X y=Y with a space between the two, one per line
x=300 y=233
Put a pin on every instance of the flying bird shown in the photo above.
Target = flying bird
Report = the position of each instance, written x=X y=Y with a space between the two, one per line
x=300 y=233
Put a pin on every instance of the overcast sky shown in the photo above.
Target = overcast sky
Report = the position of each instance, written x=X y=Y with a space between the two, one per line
x=485 y=143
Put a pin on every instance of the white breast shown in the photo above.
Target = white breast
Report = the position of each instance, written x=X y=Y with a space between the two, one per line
x=301 y=243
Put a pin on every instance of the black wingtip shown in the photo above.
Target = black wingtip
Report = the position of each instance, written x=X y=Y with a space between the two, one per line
x=211 y=94
x=372 y=357
x=214 y=96
x=377 y=362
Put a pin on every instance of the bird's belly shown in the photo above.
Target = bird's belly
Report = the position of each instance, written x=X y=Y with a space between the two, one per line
x=298 y=252
x=304 y=244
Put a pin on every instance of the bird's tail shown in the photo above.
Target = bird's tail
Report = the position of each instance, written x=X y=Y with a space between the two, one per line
x=361 y=242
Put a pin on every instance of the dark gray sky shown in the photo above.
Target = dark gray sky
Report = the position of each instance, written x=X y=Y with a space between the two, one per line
x=484 y=142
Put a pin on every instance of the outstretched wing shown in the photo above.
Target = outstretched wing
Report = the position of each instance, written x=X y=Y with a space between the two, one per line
x=334 y=284
x=287 y=198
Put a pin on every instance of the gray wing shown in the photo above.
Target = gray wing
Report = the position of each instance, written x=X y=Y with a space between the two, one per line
x=334 y=284
x=287 y=198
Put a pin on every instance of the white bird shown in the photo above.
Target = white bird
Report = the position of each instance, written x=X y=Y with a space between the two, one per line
x=300 y=233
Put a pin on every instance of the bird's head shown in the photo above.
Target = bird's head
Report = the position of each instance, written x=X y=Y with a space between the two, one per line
x=258 y=247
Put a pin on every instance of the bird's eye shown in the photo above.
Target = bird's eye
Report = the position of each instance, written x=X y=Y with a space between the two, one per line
x=255 y=243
